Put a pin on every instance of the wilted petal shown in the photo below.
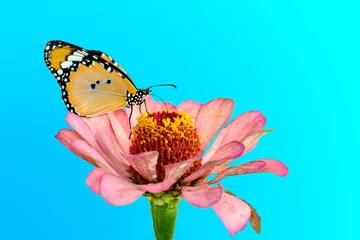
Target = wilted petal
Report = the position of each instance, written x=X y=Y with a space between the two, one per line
x=190 y=107
x=94 y=178
x=79 y=125
x=249 y=167
x=211 y=117
x=222 y=157
x=251 y=140
x=105 y=137
x=145 y=164
x=233 y=212
x=85 y=149
x=119 y=191
x=164 y=106
x=173 y=172
x=120 y=123
x=66 y=137
x=150 y=105
x=237 y=130
x=202 y=196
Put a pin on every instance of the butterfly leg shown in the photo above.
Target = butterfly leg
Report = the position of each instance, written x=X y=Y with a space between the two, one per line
x=131 y=111
x=146 y=107
x=140 y=108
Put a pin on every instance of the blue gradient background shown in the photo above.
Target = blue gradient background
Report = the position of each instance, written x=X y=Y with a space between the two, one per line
x=296 y=61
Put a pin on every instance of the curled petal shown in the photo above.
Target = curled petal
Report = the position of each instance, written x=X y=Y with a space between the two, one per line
x=120 y=123
x=273 y=166
x=190 y=107
x=222 y=157
x=164 y=106
x=79 y=125
x=119 y=191
x=173 y=172
x=66 y=137
x=202 y=196
x=229 y=151
x=233 y=212
x=150 y=106
x=237 y=130
x=211 y=117
x=94 y=178
x=85 y=149
x=145 y=164
x=251 y=140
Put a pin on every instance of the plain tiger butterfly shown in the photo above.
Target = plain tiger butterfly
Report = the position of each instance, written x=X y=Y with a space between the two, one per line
x=91 y=82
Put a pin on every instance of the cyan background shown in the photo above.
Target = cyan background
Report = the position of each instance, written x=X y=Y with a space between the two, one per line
x=297 y=61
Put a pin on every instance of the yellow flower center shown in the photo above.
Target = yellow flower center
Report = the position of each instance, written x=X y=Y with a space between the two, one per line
x=171 y=134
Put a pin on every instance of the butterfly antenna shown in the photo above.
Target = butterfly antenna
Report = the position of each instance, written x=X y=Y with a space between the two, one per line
x=164 y=85
x=160 y=99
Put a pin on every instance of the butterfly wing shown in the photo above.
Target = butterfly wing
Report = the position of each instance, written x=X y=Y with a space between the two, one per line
x=91 y=82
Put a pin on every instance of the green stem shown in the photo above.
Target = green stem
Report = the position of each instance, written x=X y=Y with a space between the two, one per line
x=164 y=210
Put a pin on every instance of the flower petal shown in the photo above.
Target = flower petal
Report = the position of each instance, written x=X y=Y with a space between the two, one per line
x=173 y=172
x=119 y=191
x=229 y=151
x=223 y=156
x=66 y=136
x=94 y=178
x=150 y=106
x=251 y=140
x=190 y=107
x=164 y=106
x=120 y=123
x=79 y=125
x=211 y=117
x=233 y=212
x=202 y=196
x=84 y=148
x=273 y=166
x=242 y=126
x=249 y=167
x=105 y=137
x=145 y=164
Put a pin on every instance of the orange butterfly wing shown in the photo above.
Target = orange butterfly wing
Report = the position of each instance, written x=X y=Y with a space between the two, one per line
x=91 y=82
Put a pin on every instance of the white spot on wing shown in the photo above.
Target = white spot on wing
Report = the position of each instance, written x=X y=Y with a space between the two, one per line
x=75 y=58
x=47 y=47
x=60 y=71
x=66 y=64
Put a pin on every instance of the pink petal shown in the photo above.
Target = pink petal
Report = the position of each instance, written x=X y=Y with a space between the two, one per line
x=79 y=125
x=237 y=130
x=120 y=123
x=273 y=166
x=173 y=172
x=105 y=137
x=211 y=117
x=258 y=166
x=66 y=136
x=251 y=140
x=229 y=151
x=222 y=157
x=150 y=105
x=164 y=106
x=94 y=178
x=202 y=196
x=249 y=167
x=85 y=149
x=145 y=164
x=119 y=191
x=233 y=212
x=190 y=107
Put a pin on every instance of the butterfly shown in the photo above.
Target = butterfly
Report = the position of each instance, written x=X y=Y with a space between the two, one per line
x=91 y=82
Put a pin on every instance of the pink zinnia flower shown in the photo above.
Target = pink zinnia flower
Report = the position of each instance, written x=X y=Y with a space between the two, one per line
x=164 y=158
